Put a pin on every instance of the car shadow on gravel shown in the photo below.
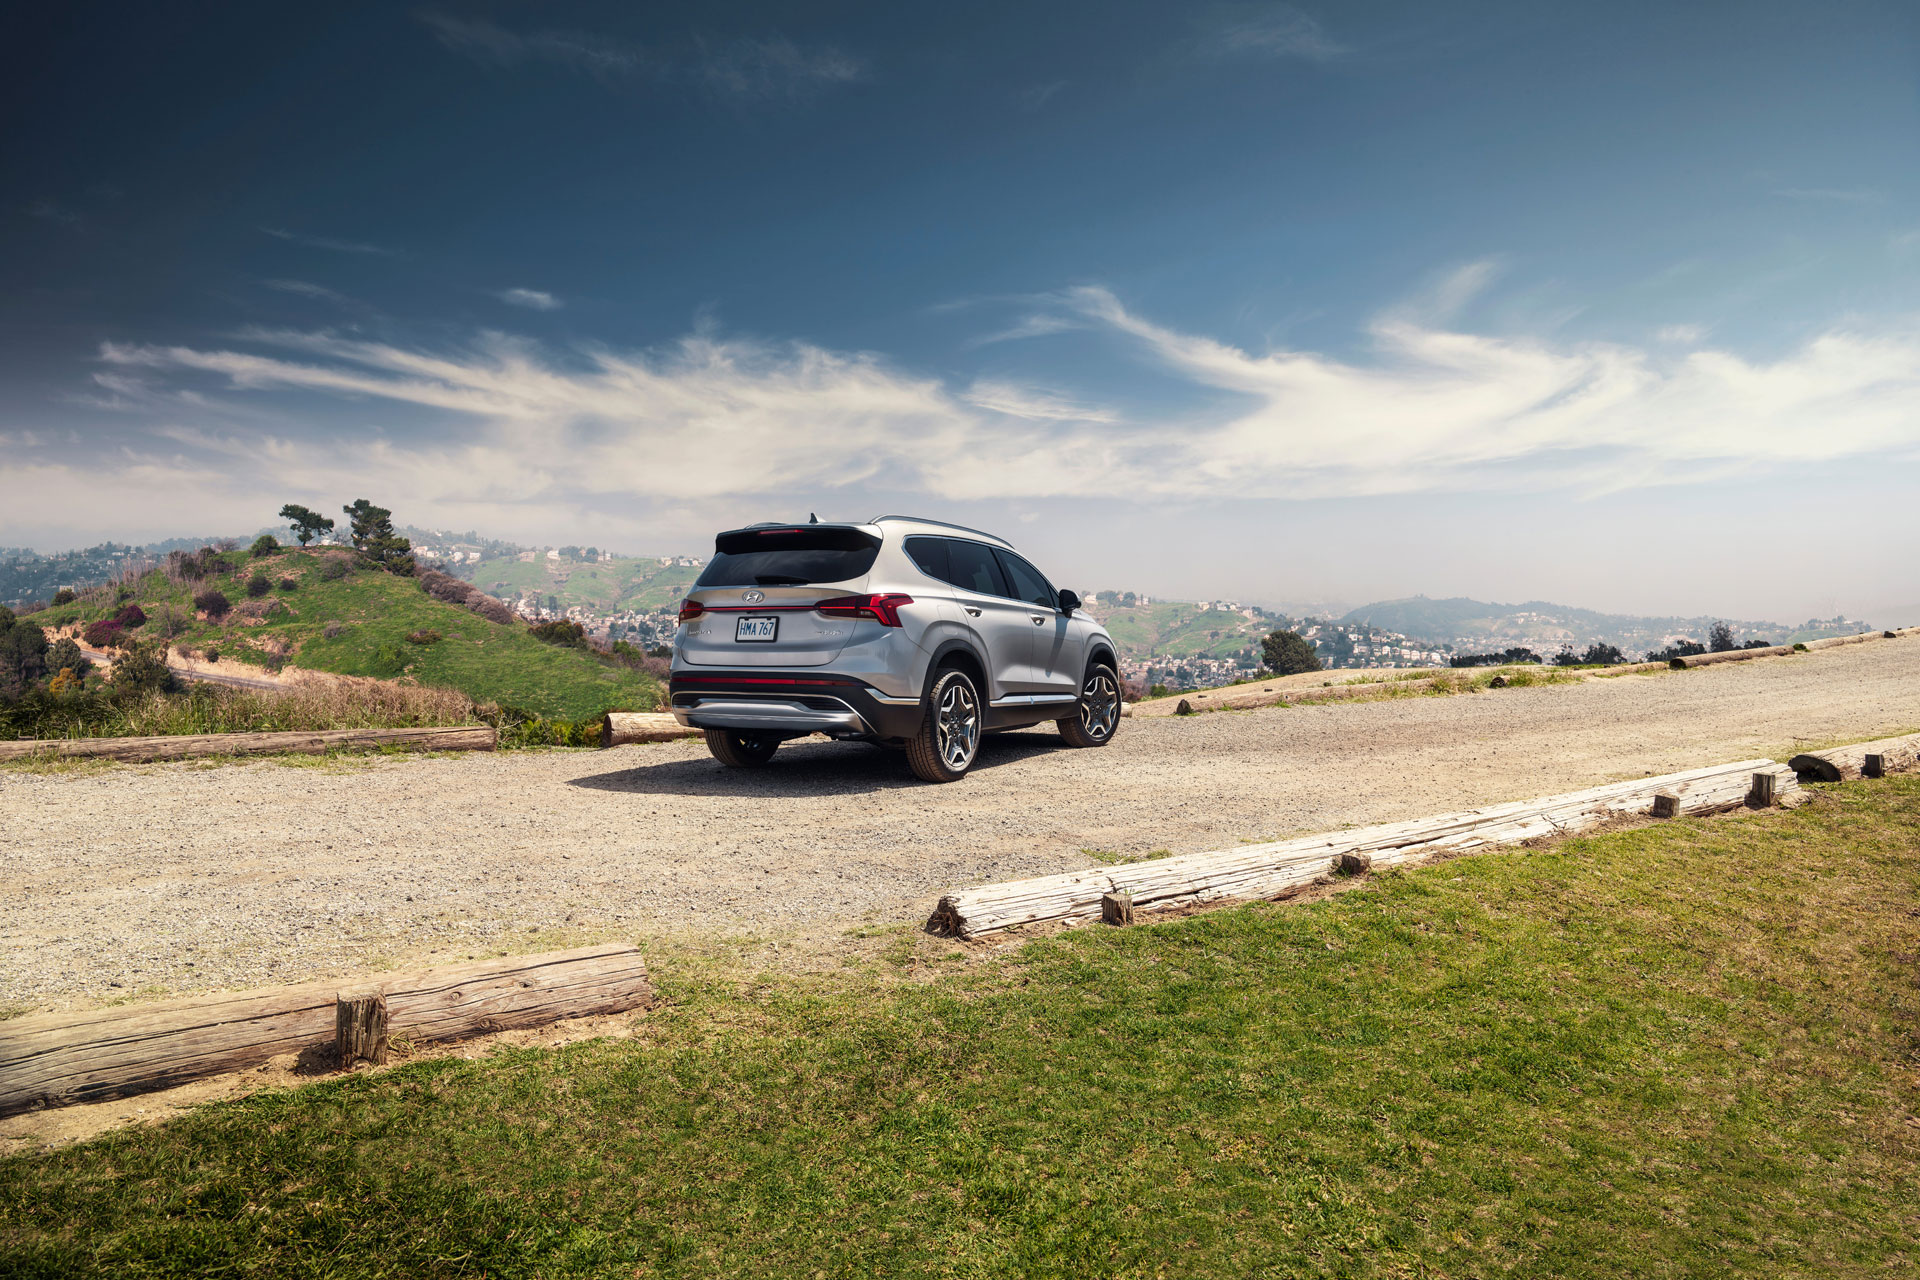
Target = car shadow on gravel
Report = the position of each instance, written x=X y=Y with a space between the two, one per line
x=808 y=768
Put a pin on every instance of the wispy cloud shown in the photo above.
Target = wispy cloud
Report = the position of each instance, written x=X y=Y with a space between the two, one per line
x=1268 y=31
x=534 y=299
x=1432 y=408
x=48 y=211
x=306 y=289
x=1037 y=96
x=1686 y=334
x=329 y=243
x=770 y=68
x=1038 y=325
x=1832 y=195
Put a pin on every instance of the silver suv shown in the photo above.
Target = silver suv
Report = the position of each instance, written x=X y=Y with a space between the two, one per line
x=909 y=633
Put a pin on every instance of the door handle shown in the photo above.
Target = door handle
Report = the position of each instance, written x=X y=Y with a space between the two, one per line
x=971 y=611
x=1039 y=621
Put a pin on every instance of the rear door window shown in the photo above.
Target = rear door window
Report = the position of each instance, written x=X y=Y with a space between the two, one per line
x=789 y=557
x=971 y=567
x=930 y=554
x=1026 y=581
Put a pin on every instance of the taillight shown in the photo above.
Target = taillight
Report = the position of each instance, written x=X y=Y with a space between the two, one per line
x=691 y=609
x=884 y=610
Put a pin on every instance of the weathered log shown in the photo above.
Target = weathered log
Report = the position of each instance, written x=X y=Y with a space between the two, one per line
x=1271 y=870
x=55 y=1059
x=619 y=728
x=1830 y=642
x=187 y=746
x=1843 y=764
x=360 y=1028
x=1730 y=655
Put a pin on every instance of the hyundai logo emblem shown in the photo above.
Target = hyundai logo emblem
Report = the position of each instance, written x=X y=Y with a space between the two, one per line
x=753 y=597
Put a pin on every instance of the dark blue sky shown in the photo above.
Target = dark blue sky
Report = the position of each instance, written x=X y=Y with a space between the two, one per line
x=1137 y=277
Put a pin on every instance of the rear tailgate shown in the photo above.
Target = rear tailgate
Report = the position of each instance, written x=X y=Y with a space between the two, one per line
x=757 y=596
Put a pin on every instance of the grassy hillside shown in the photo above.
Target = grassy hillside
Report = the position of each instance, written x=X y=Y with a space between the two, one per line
x=371 y=613
x=1684 y=1050
x=608 y=586
x=1180 y=629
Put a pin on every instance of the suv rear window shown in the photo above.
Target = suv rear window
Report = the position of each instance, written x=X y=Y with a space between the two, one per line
x=789 y=557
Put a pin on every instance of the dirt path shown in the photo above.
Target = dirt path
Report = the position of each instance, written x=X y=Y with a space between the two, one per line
x=135 y=880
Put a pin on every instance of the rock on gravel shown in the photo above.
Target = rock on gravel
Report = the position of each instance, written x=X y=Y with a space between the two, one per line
x=143 y=880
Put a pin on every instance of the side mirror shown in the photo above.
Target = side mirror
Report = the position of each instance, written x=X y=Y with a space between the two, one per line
x=1069 y=602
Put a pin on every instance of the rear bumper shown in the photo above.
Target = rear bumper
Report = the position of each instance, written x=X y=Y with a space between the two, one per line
x=791 y=702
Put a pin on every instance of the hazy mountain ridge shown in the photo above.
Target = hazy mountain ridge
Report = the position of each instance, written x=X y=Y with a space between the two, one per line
x=1544 y=626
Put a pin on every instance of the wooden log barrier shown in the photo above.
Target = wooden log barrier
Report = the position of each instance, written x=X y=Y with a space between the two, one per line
x=1863 y=637
x=1844 y=764
x=187 y=746
x=1284 y=867
x=61 y=1058
x=1730 y=655
x=620 y=728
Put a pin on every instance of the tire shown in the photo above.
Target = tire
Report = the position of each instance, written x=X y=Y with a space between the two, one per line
x=1098 y=714
x=741 y=750
x=948 y=740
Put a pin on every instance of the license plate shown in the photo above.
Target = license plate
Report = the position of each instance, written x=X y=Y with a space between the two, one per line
x=760 y=630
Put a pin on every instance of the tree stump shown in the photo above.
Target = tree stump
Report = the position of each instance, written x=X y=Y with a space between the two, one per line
x=1355 y=864
x=1184 y=709
x=360 y=1028
x=1116 y=908
x=1761 y=795
x=1666 y=805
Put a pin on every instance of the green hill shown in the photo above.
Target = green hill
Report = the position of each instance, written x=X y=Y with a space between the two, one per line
x=641 y=584
x=358 y=622
x=1180 y=629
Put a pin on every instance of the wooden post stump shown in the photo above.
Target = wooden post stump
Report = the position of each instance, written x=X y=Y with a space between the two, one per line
x=360 y=1027
x=1116 y=908
x=1354 y=864
x=1874 y=765
x=1666 y=805
x=1184 y=709
x=1761 y=795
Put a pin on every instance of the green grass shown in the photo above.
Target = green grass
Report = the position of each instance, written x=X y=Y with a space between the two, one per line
x=1686 y=1050
x=375 y=612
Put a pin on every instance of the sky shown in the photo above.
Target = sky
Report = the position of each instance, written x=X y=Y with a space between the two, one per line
x=1611 y=305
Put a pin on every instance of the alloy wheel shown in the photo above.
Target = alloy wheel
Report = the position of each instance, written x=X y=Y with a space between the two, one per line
x=1099 y=704
x=957 y=725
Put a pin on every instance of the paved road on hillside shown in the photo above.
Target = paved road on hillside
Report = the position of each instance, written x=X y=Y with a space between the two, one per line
x=179 y=877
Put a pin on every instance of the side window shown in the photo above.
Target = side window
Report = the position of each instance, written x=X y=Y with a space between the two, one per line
x=1027 y=583
x=930 y=554
x=971 y=567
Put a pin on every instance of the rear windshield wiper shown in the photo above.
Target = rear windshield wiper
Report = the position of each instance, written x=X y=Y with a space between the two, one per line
x=778 y=580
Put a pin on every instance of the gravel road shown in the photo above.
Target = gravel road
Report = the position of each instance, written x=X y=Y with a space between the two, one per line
x=143 y=880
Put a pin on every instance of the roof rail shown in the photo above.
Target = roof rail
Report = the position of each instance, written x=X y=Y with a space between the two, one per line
x=944 y=524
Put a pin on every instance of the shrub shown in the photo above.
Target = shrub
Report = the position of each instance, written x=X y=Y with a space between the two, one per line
x=332 y=629
x=423 y=637
x=562 y=631
x=142 y=669
x=491 y=609
x=258 y=585
x=212 y=603
x=444 y=586
x=1132 y=688
x=132 y=617
x=212 y=655
x=1505 y=658
x=336 y=568
x=65 y=682
x=288 y=584
x=1682 y=649
x=104 y=634
x=264 y=545
x=65 y=656
x=23 y=654
x=388 y=661
x=63 y=596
